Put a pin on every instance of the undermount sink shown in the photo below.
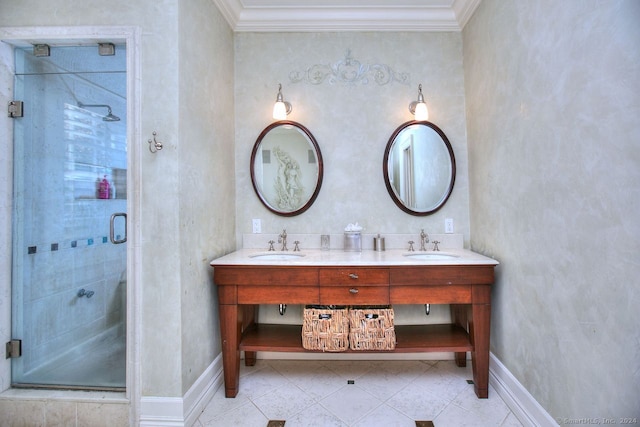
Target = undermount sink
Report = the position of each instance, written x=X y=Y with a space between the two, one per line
x=276 y=256
x=430 y=255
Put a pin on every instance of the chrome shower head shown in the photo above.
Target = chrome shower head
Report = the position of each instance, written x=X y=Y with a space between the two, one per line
x=110 y=117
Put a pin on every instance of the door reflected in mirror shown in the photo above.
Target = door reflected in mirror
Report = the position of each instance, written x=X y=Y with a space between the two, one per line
x=286 y=168
x=419 y=167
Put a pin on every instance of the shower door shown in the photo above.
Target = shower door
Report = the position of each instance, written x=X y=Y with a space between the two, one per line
x=69 y=218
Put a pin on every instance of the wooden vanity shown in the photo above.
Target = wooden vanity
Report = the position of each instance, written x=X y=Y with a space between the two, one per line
x=466 y=286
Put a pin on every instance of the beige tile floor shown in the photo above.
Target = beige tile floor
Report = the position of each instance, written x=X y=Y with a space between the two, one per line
x=383 y=393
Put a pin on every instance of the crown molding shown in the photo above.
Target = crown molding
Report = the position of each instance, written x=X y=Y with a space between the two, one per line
x=305 y=17
x=231 y=10
x=463 y=10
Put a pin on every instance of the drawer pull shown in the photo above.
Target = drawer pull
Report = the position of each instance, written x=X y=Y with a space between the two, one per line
x=353 y=290
x=353 y=275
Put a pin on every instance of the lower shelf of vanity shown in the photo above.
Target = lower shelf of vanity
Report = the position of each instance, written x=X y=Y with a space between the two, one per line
x=409 y=339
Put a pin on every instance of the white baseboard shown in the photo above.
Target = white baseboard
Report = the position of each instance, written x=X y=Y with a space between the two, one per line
x=523 y=405
x=182 y=411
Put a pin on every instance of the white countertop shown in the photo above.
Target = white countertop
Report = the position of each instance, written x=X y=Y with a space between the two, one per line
x=338 y=257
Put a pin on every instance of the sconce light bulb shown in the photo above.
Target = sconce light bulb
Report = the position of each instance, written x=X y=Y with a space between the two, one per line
x=422 y=113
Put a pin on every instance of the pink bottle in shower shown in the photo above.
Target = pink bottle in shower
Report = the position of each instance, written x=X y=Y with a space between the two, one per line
x=103 y=193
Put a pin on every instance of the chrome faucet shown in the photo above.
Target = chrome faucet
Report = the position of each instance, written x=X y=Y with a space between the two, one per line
x=424 y=239
x=282 y=238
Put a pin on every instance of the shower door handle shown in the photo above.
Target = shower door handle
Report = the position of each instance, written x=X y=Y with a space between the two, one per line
x=111 y=228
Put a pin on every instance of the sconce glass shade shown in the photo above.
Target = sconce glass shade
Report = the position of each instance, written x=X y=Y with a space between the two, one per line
x=279 y=111
x=281 y=108
x=419 y=108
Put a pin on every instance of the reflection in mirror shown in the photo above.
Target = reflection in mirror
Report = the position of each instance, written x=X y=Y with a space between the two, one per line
x=286 y=168
x=419 y=167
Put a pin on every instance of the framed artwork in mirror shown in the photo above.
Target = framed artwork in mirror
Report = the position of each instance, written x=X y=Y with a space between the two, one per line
x=419 y=167
x=286 y=168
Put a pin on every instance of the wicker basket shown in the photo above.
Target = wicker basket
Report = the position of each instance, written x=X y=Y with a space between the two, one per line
x=325 y=328
x=371 y=328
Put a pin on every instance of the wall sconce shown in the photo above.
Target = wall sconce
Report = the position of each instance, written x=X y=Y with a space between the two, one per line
x=281 y=108
x=419 y=108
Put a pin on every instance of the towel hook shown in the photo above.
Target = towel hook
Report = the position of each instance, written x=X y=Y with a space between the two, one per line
x=154 y=145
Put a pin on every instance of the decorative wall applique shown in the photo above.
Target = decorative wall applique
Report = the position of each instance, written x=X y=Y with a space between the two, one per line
x=349 y=71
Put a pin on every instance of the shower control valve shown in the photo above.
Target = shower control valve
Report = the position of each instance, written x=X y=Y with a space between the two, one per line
x=84 y=293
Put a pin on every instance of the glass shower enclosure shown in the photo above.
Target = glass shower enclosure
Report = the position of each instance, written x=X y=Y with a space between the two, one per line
x=69 y=217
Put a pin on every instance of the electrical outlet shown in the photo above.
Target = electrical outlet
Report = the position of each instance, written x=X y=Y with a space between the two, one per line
x=448 y=225
x=257 y=226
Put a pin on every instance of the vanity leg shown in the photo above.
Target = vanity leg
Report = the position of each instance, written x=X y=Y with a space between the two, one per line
x=250 y=358
x=231 y=325
x=459 y=317
x=479 y=329
x=249 y=314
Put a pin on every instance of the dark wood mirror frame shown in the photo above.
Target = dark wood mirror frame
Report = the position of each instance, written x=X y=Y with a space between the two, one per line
x=313 y=144
x=385 y=168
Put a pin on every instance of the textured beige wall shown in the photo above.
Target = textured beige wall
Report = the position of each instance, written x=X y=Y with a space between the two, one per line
x=351 y=122
x=206 y=207
x=554 y=152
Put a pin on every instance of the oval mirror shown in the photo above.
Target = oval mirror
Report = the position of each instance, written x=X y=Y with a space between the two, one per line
x=419 y=167
x=286 y=168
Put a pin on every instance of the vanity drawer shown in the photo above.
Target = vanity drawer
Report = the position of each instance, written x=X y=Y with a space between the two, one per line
x=442 y=275
x=355 y=295
x=354 y=276
x=264 y=276
x=434 y=294
x=278 y=295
